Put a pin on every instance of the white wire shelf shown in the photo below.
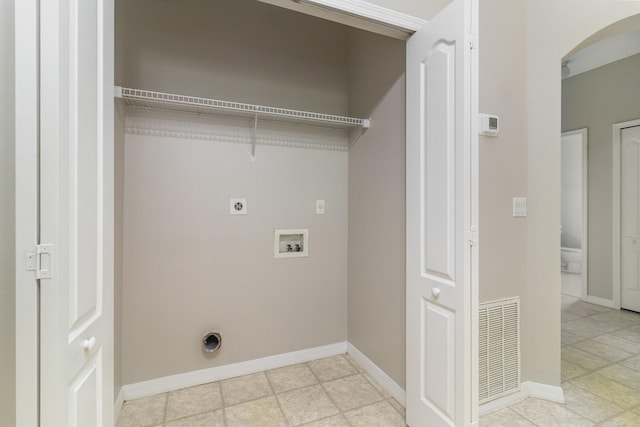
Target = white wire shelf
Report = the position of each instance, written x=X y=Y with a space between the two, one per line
x=192 y=104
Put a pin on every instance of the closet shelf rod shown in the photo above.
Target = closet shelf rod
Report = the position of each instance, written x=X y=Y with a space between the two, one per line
x=193 y=104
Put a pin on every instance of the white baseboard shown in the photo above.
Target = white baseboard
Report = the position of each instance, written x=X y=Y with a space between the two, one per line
x=600 y=301
x=377 y=374
x=502 y=402
x=203 y=376
x=543 y=391
x=117 y=405
x=527 y=389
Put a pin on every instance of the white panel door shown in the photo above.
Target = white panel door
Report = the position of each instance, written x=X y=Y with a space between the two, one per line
x=630 y=218
x=441 y=226
x=76 y=212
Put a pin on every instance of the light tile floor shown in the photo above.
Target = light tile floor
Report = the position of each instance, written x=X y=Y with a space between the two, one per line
x=600 y=379
x=326 y=392
x=600 y=373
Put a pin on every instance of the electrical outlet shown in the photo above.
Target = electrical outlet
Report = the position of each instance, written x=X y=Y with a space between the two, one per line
x=519 y=207
x=237 y=206
x=320 y=207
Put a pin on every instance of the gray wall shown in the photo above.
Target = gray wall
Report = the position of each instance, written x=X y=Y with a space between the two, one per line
x=503 y=159
x=376 y=203
x=596 y=100
x=189 y=267
x=7 y=217
x=240 y=50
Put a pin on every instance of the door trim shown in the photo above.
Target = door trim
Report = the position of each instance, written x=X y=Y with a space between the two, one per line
x=585 y=208
x=617 y=282
x=27 y=177
x=358 y=14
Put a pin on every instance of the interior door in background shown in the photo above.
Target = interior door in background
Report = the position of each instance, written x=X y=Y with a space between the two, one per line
x=630 y=218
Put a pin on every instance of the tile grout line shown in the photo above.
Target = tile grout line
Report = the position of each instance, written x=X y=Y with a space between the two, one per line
x=328 y=395
x=275 y=395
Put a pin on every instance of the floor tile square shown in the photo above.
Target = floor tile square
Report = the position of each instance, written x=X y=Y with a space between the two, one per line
x=628 y=419
x=631 y=334
x=567 y=316
x=143 y=412
x=548 y=414
x=398 y=407
x=331 y=368
x=577 y=328
x=291 y=377
x=619 y=342
x=353 y=362
x=375 y=385
x=243 y=389
x=504 y=417
x=622 y=374
x=194 y=400
x=258 y=413
x=632 y=362
x=589 y=405
x=571 y=370
x=379 y=414
x=610 y=390
x=306 y=404
x=335 y=421
x=352 y=392
x=209 y=419
x=583 y=359
x=604 y=351
x=568 y=338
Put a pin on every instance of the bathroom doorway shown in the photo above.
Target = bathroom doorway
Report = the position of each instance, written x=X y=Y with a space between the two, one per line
x=574 y=208
x=599 y=89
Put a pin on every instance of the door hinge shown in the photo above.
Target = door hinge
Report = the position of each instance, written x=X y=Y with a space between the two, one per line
x=472 y=236
x=40 y=261
x=472 y=39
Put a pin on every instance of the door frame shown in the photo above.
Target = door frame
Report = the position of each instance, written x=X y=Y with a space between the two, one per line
x=617 y=281
x=27 y=107
x=585 y=206
x=27 y=163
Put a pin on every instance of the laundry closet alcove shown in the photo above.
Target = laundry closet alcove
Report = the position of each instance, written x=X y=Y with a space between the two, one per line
x=184 y=265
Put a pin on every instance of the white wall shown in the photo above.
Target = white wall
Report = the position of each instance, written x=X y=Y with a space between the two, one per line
x=550 y=36
x=597 y=99
x=7 y=217
x=377 y=203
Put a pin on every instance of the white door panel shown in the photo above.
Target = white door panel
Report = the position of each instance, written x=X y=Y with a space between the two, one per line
x=630 y=218
x=441 y=221
x=76 y=212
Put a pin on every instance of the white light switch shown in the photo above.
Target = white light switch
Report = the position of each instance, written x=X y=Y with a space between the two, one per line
x=320 y=207
x=238 y=206
x=519 y=207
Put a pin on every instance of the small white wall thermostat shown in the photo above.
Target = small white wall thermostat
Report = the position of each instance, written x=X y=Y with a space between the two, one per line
x=237 y=206
x=489 y=125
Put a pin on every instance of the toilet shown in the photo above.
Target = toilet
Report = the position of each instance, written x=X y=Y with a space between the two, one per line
x=571 y=260
x=571 y=268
